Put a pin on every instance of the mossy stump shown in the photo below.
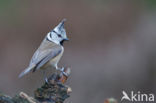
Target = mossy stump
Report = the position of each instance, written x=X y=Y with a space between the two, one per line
x=52 y=91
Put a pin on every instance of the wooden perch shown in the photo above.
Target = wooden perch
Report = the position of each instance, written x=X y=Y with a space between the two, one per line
x=53 y=91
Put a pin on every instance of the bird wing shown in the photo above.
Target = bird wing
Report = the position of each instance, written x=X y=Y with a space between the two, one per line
x=47 y=58
x=41 y=60
x=45 y=52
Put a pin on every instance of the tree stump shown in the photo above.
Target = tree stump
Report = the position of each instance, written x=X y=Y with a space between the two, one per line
x=52 y=91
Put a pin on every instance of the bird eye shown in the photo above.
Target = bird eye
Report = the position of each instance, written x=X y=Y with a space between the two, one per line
x=59 y=35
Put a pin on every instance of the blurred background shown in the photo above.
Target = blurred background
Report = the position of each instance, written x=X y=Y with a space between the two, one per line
x=112 y=45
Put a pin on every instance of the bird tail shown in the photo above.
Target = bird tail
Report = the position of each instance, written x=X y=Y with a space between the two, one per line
x=26 y=71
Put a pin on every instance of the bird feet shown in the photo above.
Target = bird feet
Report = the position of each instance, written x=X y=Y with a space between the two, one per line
x=46 y=79
x=60 y=69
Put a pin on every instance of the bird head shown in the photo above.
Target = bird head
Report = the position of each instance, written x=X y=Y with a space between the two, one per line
x=58 y=34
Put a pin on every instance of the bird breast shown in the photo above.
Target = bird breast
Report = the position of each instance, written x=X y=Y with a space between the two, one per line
x=53 y=62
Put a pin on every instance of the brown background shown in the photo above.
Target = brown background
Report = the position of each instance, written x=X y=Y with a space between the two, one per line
x=112 y=45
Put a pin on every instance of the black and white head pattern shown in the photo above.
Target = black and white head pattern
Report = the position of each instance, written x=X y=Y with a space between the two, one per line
x=57 y=37
x=58 y=34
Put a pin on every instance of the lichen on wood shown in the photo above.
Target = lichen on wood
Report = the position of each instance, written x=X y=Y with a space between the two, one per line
x=52 y=91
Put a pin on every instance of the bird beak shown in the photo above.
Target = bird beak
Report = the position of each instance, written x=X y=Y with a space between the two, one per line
x=66 y=39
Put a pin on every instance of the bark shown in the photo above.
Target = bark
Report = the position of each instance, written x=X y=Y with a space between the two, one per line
x=52 y=91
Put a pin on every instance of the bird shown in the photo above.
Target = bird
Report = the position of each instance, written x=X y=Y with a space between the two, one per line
x=50 y=50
